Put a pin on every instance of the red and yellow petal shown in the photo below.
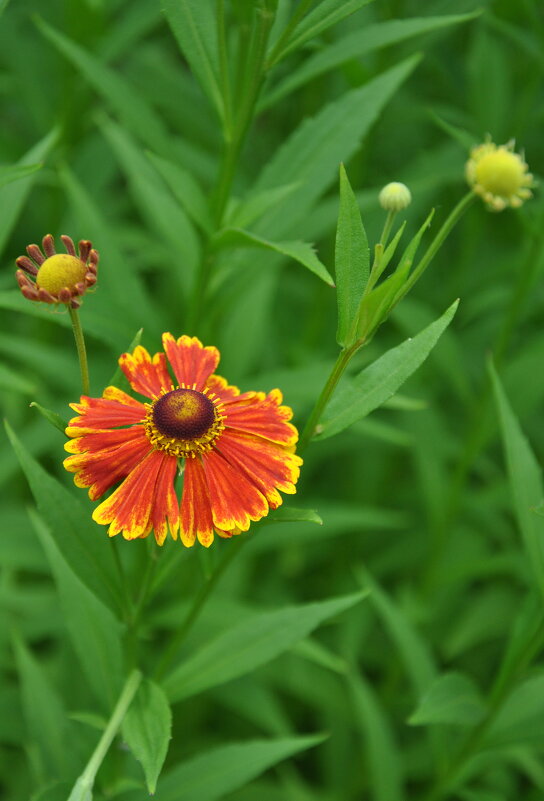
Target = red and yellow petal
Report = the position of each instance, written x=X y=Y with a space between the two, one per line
x=235 y=501
x=98 y=440
x=191 y=362
x=224 y=391
x=130 y=507
x=262 y=415
x=114 y=409
x=165 y=512
x=146 y=375
x=101 y=469
x=196 y=513
x=266 y=465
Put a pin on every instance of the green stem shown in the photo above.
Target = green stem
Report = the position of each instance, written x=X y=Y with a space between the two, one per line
x=198 y=604
x=81 y=351
x=83 y=787
x=499 y=692
x=336 y=373
x=387 y=228
x=438 y=241
x=276 y=54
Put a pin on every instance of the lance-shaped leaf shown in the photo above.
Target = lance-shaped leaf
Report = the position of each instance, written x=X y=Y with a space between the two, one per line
x=147 y=729
x=214 y=774
x=85 y=548
x=351 y=261
x=302 y=252
x=194 y=24
x=250 y=644
x=379 y=382
x=452 y=698
x=525 y=481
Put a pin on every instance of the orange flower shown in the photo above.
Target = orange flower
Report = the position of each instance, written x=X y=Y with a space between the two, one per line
x=235 y=450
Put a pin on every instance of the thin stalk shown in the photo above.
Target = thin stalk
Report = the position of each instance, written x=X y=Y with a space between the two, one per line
x=387 y=228
x=84 y=785
x=224 y=66
x=499 y=692
x=336 y=373
x=81 y=350
x=196 y=607
x=438 y=241
x=303 y=7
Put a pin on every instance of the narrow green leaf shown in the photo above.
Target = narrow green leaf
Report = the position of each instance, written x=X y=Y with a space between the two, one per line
x=43 y=711
x=186 y=190
x=381 y=380
x=13 y=196
x=14 y=173
x=250 y=644
x=355 y=44
x=138 y=116
x=82 y=544
x=413 y=650
x=55 y=419
x=147 y=730
x=121 y=288
x=299 y=251
x=519 y=720
x=288 y=514
x=156 y=203
x=253 y=207
x=376 y=306
x=215 y=774
x=95 y=633
x=14 y=382
x=310 y=156
x=452 y=698
x=325 y=15
x=525 y=481
x=382 y=752
x=352 y=261
x=194 y=25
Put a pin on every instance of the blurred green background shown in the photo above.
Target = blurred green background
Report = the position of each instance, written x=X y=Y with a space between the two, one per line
x=415 y=499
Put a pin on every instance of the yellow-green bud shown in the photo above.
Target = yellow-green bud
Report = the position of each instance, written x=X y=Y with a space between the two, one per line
x=395 y=196
x=499 y=175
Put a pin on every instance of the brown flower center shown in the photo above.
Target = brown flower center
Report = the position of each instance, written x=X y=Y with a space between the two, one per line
x=184 y=422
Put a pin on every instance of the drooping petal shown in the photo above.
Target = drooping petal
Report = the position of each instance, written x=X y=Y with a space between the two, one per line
x=165 y=512
x=196 y=513
x=101 y=469
x=260 y=414
x=268 y=466
x=99 y=440
x=191 y=362
x=148 y=376
x=114 y=409
x=129 y=507
x=235 y=500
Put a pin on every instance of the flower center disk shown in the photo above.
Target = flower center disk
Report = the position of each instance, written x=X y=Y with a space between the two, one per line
x=184 y=414
x=184 y=422
x=59 y=271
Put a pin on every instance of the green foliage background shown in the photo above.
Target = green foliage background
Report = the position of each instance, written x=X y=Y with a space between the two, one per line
x=430 y=687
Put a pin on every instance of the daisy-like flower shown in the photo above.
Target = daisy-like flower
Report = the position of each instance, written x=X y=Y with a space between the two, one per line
x=53 y=277
x=235 y=451
x=499 y=175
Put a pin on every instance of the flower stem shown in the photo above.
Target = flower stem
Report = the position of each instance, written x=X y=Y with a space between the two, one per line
x=387 y=228
x=83 y=787
x=81 y=351
x=197 y=606
x=438 y=241
x=336 y=373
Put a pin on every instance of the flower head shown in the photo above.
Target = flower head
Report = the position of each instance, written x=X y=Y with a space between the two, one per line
x=54 y=277
x=395 y=196
x=499 y=175
x=235 y=450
